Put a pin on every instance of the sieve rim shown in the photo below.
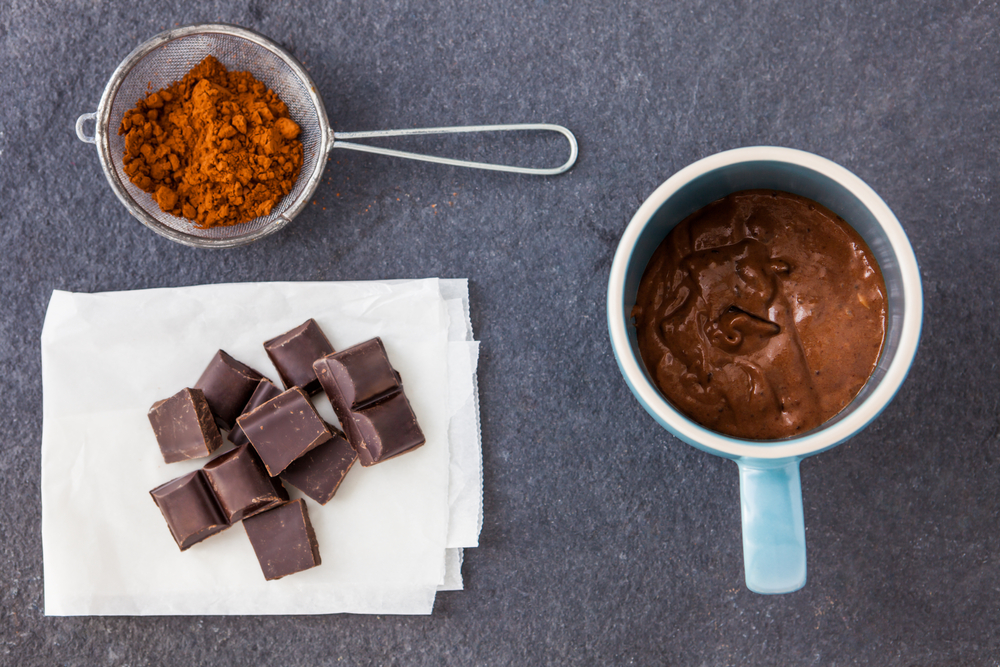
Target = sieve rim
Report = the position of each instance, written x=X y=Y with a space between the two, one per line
x=102 y=137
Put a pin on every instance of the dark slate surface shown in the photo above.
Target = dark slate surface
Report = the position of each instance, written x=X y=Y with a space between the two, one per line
x=606 y=541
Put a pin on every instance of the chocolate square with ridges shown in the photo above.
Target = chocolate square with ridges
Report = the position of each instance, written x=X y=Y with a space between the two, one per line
x=184 y=426
x=319 y=472
x=189 y=508
x=368 y=397
x=241 y=484
x=386 y=429
x=228 y=385
x=283 y=429
x=362 y=373
x=265 y=391
x=294 y=352
x=283 y=540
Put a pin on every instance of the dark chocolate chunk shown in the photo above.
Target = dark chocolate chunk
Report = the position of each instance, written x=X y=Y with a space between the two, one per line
x=264 y=392
x=387 y=429
x=294 y=352
x=190 y=509
x=228 y=385
x=241 y=484
x=362 y=373
x=368 y=397
x=184 y=426
x=283 y=540
x=319 y=472
x=283 y=429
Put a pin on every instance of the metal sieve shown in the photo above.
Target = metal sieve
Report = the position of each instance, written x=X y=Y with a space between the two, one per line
x=166 y=58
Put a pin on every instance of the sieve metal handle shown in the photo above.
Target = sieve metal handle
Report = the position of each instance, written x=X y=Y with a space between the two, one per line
x=337 y=137
x=79 y=128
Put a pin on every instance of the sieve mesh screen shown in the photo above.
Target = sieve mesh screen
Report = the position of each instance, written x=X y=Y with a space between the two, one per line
x=169 y=62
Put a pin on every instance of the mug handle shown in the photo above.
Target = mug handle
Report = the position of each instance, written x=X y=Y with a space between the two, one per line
x=774 y=532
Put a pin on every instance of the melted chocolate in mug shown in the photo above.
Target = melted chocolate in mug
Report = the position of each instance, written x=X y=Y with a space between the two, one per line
x=761 y=315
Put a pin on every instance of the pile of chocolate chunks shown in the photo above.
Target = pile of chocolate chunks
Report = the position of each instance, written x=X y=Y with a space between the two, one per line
x=279 y=438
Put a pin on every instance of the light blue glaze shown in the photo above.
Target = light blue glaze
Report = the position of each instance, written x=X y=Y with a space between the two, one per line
x=774 y=533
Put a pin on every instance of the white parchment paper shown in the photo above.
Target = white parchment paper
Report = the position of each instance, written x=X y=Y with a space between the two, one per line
x=389 y=539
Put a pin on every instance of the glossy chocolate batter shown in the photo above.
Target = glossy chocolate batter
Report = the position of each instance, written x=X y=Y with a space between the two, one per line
x=761 y=315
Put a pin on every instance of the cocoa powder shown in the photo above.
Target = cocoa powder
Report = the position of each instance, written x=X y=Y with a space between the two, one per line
x=217 y=147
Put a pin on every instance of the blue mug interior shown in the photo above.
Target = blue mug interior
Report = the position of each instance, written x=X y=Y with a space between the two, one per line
x=796 y=179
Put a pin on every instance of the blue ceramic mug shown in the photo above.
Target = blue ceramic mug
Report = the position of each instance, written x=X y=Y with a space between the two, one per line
x=774 y=546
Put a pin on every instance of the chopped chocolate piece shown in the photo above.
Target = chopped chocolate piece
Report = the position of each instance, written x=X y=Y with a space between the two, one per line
x=228 y=385
x=319 y=472
x=283 y=540
x=293 y=354
x=264 y=392
x=368 y=397
x=283 y=429
x=362 y=373
x=184 y=427
x=387 y=429
x=241 y=484
x=190 y=509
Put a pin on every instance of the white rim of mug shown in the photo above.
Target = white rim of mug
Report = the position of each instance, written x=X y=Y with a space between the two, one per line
x=824 y=438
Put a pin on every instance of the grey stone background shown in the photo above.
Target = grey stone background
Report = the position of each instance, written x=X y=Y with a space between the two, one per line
x=606 y=541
